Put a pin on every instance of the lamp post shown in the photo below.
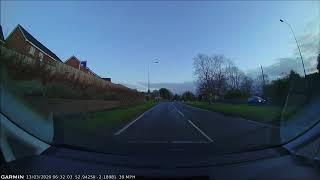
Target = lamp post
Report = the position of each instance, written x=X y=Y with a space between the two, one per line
x=304 y=70
x=153 y=62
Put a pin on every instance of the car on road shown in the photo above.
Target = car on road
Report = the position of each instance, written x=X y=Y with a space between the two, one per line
x=256 y=100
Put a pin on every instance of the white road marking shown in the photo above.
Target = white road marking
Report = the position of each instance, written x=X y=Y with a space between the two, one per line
x=178 y=111
x=254 y=122
x=259 y=123
x=206 y=136
x=198 y=108
x=128 y=125
x=174 y=107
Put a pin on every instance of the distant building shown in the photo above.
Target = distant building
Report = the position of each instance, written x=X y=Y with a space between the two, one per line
x=81 y=65
x=1 y=36
x=73 y=62
x=107 y=79
x=23 y=42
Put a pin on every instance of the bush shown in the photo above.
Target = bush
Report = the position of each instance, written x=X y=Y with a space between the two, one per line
x=57 y=80
x=235 y=94
x=59 y=90
x=28 y=88
x=279 y=89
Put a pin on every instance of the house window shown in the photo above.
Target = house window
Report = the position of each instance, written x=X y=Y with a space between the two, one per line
x=32 y=50
x=40 y=56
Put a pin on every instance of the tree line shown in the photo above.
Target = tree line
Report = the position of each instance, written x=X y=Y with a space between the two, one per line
x=219 y=78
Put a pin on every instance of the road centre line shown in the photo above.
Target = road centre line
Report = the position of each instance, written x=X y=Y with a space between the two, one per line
x=178 y=111
x=206 y=136
x=244 y=119
x=174 y=107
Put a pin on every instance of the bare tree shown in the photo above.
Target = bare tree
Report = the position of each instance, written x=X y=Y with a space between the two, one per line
x=211 y=72
x=247 y=85
x=235 y=77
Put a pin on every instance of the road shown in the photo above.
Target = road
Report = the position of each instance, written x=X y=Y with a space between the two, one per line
x=178 y=123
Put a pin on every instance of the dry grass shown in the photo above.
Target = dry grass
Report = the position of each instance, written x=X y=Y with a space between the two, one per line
x=58 y=80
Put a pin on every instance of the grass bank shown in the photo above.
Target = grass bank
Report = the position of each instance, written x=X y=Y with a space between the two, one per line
x=106 y=121
x=257 y=113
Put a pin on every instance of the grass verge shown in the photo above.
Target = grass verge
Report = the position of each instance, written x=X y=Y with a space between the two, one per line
x=257 y=113
x=105 y=121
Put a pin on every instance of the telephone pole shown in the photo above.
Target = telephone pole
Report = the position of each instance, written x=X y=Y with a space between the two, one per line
x=264 y=83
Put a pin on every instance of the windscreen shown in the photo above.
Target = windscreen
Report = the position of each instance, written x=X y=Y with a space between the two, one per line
x=143 y=77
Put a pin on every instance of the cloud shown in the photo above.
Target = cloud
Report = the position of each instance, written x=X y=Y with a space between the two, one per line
x=310 y=48
x=138 y=87
x=309 y=44
x=284 y=66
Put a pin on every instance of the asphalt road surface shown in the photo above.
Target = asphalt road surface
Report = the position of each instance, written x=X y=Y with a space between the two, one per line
x=178 y=123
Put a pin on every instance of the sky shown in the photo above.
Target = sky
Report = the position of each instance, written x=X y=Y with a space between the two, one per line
x=121 y=39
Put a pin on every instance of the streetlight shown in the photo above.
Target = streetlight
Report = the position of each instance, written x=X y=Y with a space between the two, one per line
x=304 y=70
x=154 y=62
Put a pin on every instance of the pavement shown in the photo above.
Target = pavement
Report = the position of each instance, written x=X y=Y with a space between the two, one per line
x=178 y=123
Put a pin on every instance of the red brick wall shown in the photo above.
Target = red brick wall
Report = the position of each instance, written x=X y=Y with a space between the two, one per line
x=73 y=62
x=46 y=59
x=17 y=42
x=84 y=69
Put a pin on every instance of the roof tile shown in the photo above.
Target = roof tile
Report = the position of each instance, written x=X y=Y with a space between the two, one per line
x=37 y=43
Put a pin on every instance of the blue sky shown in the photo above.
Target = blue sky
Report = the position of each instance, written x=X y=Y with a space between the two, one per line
x=119 y=39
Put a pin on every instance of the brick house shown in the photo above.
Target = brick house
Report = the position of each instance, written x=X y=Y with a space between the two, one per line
x=73 y=62
x=23 y=42
x=76 y=63
x=1 y=36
